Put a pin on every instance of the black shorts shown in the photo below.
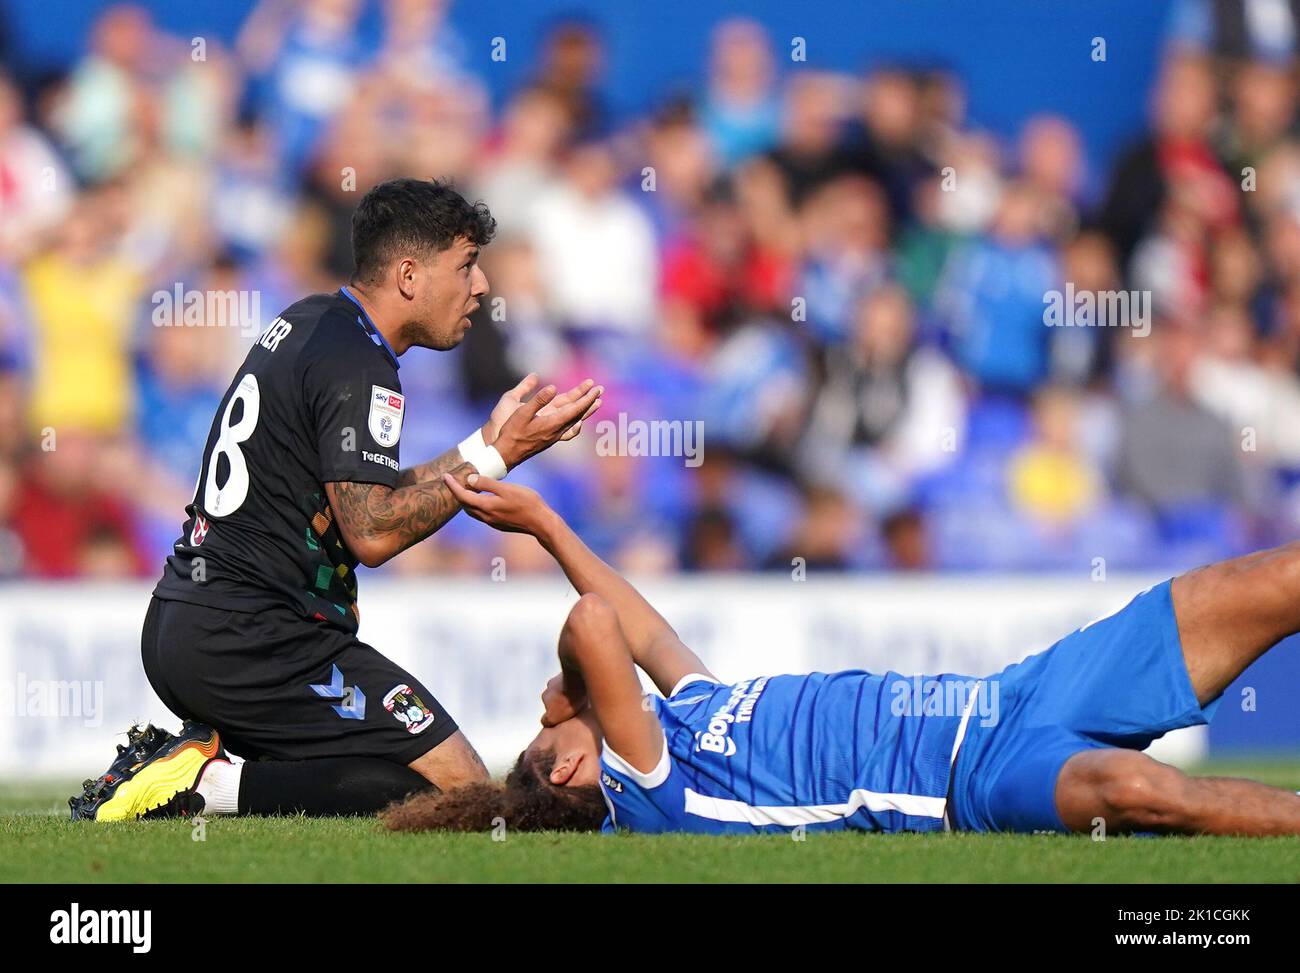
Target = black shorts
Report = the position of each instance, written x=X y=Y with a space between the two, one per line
x=282 y=687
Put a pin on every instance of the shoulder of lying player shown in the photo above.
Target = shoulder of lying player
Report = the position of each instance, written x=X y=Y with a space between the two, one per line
x=642 y=801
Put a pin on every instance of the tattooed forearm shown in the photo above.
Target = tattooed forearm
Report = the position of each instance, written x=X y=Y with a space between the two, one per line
x=378 y=522
x=431 y=470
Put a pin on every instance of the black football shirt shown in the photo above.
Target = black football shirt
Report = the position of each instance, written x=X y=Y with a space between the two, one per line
x=317 y=400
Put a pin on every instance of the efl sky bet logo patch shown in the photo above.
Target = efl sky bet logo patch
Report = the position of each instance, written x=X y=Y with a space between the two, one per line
x=386 y=407
x=408 y=708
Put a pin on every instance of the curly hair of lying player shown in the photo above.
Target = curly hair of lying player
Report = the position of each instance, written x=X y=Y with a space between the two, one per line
x=1059 y=750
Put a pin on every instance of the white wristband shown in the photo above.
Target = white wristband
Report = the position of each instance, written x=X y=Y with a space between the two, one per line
x=484 y=458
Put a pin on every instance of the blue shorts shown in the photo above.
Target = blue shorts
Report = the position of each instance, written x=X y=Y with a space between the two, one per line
x=1119 y=682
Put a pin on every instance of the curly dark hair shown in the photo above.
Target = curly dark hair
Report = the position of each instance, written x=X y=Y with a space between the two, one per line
x=527 y=801
x=422 y=215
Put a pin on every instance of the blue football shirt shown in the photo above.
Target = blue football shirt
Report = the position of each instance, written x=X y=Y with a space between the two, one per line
x=827 y=751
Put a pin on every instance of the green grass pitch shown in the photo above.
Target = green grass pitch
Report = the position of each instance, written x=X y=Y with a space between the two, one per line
x=39 y=844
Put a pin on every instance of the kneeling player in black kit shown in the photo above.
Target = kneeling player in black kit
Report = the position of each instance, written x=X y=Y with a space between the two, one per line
x=251 y=634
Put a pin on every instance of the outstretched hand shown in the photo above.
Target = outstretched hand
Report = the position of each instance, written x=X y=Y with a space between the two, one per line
x=544 y=420
x=507 y=405
x=567 y=398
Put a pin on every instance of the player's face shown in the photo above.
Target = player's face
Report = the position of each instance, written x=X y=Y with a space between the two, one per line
x=576 y=743
x=448 y=288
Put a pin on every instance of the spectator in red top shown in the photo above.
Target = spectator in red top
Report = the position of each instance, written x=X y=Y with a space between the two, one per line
x=66 y=518
x=718 y=272
x=1176 y=156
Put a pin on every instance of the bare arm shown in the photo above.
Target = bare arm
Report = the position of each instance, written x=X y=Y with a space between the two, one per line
x=448 y=462
x=653 y=644
x=378 y=522
x=595 y=656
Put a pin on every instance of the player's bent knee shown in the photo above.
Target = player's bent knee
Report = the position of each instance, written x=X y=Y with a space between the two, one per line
x=1140 y=794
x=1122 y=789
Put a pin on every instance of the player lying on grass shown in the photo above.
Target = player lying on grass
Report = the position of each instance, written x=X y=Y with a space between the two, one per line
x=851 y=749
x=251 y=635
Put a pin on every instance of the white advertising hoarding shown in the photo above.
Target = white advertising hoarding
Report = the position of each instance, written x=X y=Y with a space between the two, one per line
x=71 y=680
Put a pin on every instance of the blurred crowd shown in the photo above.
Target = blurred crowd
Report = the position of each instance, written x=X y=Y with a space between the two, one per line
x=838 y=275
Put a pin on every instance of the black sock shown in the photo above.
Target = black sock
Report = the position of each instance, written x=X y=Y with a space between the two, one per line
x=326 y=786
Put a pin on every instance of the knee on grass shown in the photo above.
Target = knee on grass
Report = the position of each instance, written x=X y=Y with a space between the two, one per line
x=1135 y=793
